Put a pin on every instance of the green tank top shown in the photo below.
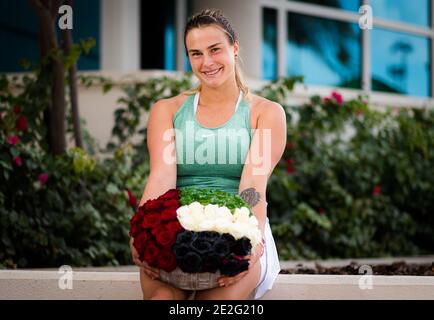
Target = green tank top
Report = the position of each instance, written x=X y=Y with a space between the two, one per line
x=211 y=157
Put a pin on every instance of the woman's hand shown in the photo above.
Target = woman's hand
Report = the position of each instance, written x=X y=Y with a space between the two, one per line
x=225 y=281
x=153 y=273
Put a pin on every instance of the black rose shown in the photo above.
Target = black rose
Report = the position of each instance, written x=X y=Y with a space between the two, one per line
x=186 y=237
x=221 y=247
x=209 y=235
x=229 y=238
x=201 y=246
x=232 y=266
x=211 y=263
x=180 y=250
x=242 y=247
x=191 y=263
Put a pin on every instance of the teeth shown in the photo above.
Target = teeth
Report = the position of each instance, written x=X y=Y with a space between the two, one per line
x=212 y=72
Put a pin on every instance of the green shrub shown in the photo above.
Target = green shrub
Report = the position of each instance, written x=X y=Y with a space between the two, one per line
x=354 y=182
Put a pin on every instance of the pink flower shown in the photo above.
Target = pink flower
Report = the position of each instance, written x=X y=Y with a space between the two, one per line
x=326 y=100
x=338 y=97
x=18 y=161
x=376 y=190
x=13 y=140
x=21 y=123
x=131 y=199
x=43 y=177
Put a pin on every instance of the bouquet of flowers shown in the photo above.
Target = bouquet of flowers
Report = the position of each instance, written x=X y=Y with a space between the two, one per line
x=195 y=235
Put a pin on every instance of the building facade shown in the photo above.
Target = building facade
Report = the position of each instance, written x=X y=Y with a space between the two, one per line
x=319 y=39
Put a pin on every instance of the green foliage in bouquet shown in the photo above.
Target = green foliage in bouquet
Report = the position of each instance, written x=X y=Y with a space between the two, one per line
x=212 y=196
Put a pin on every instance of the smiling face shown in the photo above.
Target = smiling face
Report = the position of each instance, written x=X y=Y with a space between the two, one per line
x=211 y=55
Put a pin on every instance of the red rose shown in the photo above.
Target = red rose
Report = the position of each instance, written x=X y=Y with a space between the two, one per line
x=21 y=123
x=174 y=226
x=166 y=260
x=136 y=225
x=151 y=220
x=140 y=211
x=164 y=236
x=172 y=203
x=152 y=205
x=151 y=252
x=168 y=214
x=141 y=241
x=171 y=194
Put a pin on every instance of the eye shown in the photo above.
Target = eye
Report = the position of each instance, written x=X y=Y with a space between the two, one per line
x=213 y=50
x=195 y=54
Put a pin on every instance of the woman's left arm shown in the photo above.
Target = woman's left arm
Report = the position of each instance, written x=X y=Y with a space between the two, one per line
x=266 y=150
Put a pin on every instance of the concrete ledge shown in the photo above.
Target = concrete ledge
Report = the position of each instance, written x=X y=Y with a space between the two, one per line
x=41 y=285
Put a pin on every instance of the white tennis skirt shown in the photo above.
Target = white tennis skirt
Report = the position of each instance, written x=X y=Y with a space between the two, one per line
x=270 y=266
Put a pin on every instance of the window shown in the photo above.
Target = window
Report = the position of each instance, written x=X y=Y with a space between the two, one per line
x=350 y=5
x=400 y=63
x=158 y=37
x=269 y=44
x=413 y=12
x=324 y=51
x=19 y=30
x=326 y=46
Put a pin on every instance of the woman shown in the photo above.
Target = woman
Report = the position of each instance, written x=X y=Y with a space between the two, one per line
x=205 y=120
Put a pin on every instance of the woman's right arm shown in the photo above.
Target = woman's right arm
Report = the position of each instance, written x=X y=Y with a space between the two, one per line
x=161 y=146
x=162 y=176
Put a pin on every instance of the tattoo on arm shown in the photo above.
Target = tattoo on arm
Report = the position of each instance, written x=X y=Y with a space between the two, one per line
x=251 y=196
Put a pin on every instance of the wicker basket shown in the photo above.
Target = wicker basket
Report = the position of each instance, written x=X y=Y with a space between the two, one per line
x=190 y=281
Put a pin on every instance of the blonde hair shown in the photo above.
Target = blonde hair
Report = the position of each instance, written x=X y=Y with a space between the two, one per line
x=215 y=17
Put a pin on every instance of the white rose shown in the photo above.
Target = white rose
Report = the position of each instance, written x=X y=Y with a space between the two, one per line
x=255 y=236
x=241 y=214
x=222 y=226
x=253 y=221
x=206 y=225
x=187 y=222
x=210 y=211
x=224 y=213
x=182 y=211
x=240 y=229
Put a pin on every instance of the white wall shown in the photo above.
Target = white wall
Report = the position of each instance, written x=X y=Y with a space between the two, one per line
x=120 y=33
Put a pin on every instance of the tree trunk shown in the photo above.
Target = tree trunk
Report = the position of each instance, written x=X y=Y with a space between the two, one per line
x=47 y=12
x=72 y=77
